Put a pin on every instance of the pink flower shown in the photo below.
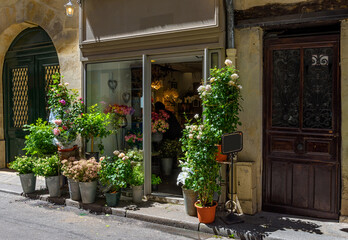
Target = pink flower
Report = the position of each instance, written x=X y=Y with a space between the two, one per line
x=62 y=102
x=58 y=122
x=56 y=131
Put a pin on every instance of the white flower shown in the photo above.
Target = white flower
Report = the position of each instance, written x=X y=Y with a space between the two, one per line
x=199 y=137
x=231 y=83
x=125 y=158
x=66 y=84
x=239 y=86
x=121 y=155
x=208 y=88
x=200 y=133
x=212 y=80
x=187 y=127
x=190 y=136
x=116 y=152
x=228 y=62
x=201 y=128
x=234 y=76
x=196 y=116
x=204 y=93
x=194 y=127
x=201 y=88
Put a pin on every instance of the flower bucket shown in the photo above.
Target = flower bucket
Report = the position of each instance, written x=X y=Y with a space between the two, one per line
x=112 y=199
x=157 y=137
x=53 y=185
x=68 y=152
x=137 y=194
x=219 y=156
x=206 y=214
x=167 y=165
x=28 y=182
x=190 y=197
x=88 y=191
x=74 y=189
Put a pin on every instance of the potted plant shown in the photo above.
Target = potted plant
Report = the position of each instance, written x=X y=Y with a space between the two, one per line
x=92 y=125
x=159 y=125
x=49 y=167
x=39 y=141
x=134 y=140
x=168 y=150
x=190 y=196
x=115 y=173
x=66 y=107
x=24 y=165
x=155 y=181
x=87 y=175
x=198 y=146
x=135 y=155
x=221 y=101
x=119 y=114
x=70 y=170
x=137 y=182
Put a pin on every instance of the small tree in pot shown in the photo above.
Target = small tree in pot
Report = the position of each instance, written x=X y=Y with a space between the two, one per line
x=92 y=125
x=24 y=165
x=115 y=173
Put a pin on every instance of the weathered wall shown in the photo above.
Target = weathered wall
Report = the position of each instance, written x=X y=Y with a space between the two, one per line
x=249 y=46
x=17 y=15
x=344 y=99
x=245 y=4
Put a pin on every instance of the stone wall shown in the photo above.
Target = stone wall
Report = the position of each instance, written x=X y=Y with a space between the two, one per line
x=245 y=4
x=17 y=15
x=344 y=117
x=249 y=46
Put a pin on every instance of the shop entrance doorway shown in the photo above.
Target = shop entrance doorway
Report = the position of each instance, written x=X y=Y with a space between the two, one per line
x=175 y=100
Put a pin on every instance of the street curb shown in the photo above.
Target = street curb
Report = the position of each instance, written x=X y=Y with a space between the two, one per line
x=10 y=192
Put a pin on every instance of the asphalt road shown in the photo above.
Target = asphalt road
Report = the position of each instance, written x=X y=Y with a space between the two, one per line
x=22 y=218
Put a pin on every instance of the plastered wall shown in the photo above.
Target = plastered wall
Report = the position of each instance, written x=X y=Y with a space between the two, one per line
x=245 y=4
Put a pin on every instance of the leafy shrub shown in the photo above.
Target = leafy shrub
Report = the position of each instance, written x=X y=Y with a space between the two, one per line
x=47 y=166
x=23 y=164
x=155 y=180
x=137 y=178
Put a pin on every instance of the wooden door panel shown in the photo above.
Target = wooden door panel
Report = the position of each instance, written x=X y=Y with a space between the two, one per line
x=301 y=127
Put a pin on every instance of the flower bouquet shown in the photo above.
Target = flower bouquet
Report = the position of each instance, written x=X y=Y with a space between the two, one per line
x=119 y=113
x=134 y=140
x=158 y=122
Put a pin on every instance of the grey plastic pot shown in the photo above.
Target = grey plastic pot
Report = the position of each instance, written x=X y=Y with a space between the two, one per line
x=137 y=193
x=53 y=185
x=28 y=182
x=88 y=191
x=190 y=197
x=167 y=164
x=74 y=189
x=112 y=199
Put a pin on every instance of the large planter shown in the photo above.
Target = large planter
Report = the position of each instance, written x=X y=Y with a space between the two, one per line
x=88 y=191
x=69 y=152
x=206 y=214
x=53 y=185
x=167 y=165
x=74 y=189
x=28 y=182
x=90 y=155
x=190 y=197
x=157 y=137
x=137 y=194
x=112 y=199
x=219 y=156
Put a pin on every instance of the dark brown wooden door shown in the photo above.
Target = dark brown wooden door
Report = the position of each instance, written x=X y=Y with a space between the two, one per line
x=302 y=126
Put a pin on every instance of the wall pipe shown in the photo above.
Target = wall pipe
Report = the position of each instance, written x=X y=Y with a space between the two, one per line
x=229 y=15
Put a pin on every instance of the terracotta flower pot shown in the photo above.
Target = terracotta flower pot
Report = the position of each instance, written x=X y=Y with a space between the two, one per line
x=68 y=152
x=220 y=157
x=206 y=214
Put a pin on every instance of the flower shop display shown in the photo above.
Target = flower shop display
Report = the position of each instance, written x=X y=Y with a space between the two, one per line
x=221 y=101
x=66 y=106
x=24 y=165
x=134 y=155
x=115 y=173
x=70 y=170
x=92 y=125
x=159 y=125
x=198 y=144
x=190 y=196
x=87 y=175
x=137 y=182
x=155 y=181
x=169 y=150
x=119 y=114
x=49 y=167
x=39 y=141
x=134 y=140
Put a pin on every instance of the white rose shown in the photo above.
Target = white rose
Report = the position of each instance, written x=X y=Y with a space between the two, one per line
x=240 y=87
x=199 y=137
x=228 y=62
x=116 y=152
x=66 y=84
x=190 y=136
x=212 y=80
x=121 y=155
x=231 y=83
x=194 y=128
x=204 y=93
x=201 y=88
x=208 y=88
x=234 y=76
x=196 y=116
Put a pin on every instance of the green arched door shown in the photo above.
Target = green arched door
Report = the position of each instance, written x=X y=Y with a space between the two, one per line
x=29 y=64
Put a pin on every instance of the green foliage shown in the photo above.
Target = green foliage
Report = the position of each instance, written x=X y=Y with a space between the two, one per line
x=93 y=125
x=39 y=141
x=23 y=164
x=170 y=148
x=155 y=180
x=221 y=100
x=47 y=166
x=137 y=178
x=198 y=144
x=135 y=155
x=115 y=173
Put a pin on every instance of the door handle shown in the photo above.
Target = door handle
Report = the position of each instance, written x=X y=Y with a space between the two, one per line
x=299 y=147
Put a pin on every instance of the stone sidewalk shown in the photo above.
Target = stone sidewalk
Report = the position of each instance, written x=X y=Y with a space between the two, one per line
x=260 y=226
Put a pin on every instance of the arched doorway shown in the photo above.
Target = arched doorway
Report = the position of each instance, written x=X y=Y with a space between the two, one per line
x=29 y=64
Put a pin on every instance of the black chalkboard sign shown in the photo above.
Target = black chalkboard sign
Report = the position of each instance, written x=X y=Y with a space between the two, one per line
x=232 y=142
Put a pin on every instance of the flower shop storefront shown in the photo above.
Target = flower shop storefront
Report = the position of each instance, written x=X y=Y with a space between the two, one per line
x=147 y=74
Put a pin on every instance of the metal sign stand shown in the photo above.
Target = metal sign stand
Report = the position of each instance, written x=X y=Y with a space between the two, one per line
x=231 y=144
